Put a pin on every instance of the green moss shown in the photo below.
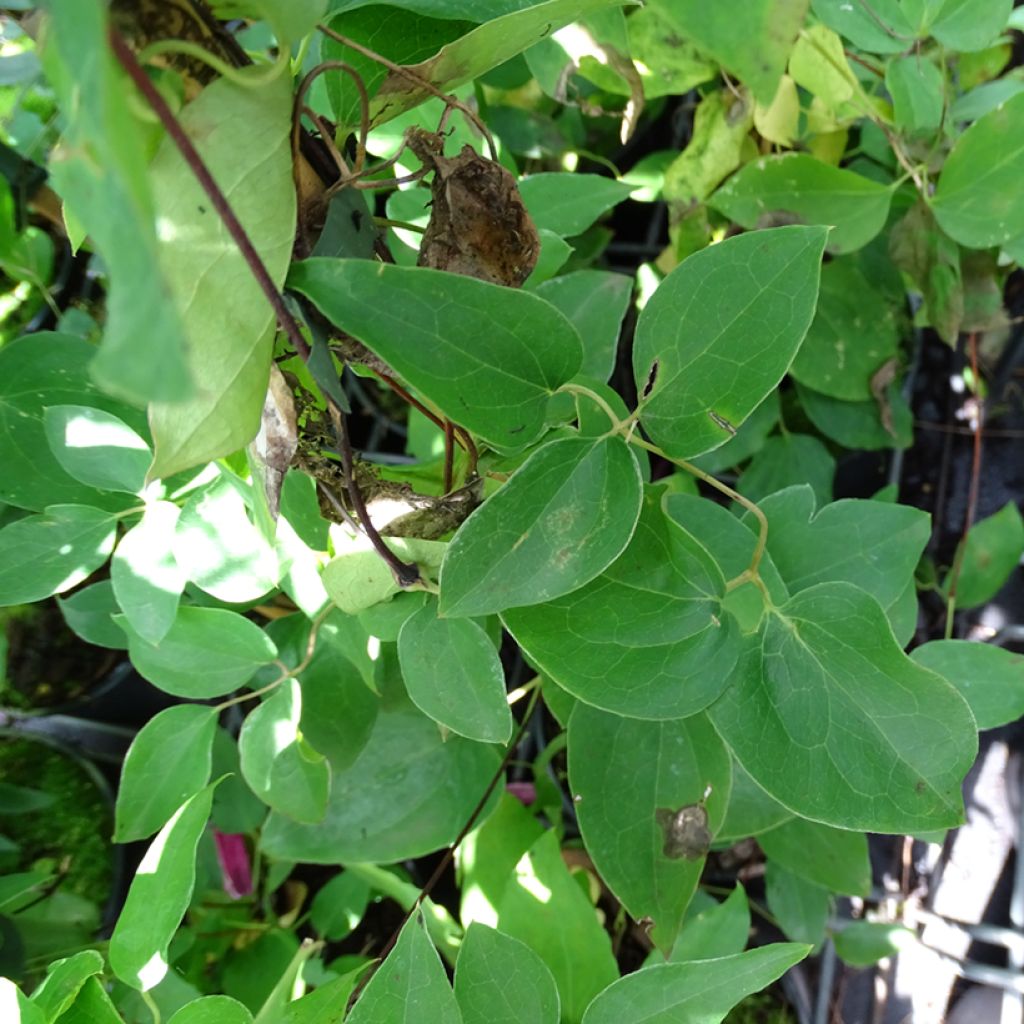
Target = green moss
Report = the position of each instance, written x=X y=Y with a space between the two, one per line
x=73 y=831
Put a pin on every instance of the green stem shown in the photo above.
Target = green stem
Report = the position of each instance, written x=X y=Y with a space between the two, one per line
x=225 y=70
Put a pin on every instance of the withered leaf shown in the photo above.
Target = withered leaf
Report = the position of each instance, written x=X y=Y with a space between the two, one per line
x=271 y=451
x=478 y=223
x=686 y=833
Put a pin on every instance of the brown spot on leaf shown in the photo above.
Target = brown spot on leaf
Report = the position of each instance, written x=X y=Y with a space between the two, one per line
x=686 y=834
x=652 y=376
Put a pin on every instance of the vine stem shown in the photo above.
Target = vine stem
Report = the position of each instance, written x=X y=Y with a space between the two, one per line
x=404 y=573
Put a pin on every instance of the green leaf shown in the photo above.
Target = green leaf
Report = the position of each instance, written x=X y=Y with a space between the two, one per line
x=800 y=907
x=993 y=550
x=159 y=896
x=100 y=170
x=473 y=348
x=641 y=639
x=500 y=980
x=717 y=32
x=874 y=545
x=11 y=996
x=674 y=64
x=411 y=984
x=358 y=578
x=858 y=425
x=916 y=86
x=721 y=930
x=853 y=333
x=830 y=857
x=907 y=737
x=207 y=652
x=475 y=53
x=454 y=675
x=91 y=1006
x=881 y=28
x=212 y=1010
x=89 y=614
x=47 y=554
x=64 y=979
x=220 y=550
x=145 y=575
x=325 y=1002
x=789 y=460
x=977 y=201
x=151 y=790
x=338 y=709
x=700 y=992
x=36 y=372
x=235 y=807
x=970 y=25
x=97 y=448
x=863 y=943
x=280 y=767
x=546 y=909
x=242 y=135
x=751 y=810
x=746 y=302
x=990 y=678
x=565 y=515
x=568 y=204
x=812 y=192
x=750 y=437
x=595 y=301
x=640 y=792
x=407 y=793
x=339 y=906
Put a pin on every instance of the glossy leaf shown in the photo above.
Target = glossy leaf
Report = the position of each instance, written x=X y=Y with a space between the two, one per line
x=811 y=192
x=220 y=550
x=469 y=346
x=92 y=1005
x=159 y=896
x=500 y=980
x=830 y=857
x=565 y=515
x=595 y=302
x=475 y=53
x=544 y=908
x=788 y=460
x=145 y=575
x=569 y=203
x=800 y=907
x=977 y=201
x=47 y=554
x=212 y=1010
x=907 y=736
x=746 y=303
x=993 y=550
x=700 y=992
x=150 y=792
x=64 y=979
x=36 y=372
x=641 y=639
x=915 y=85
x=407 y=793
x=207 y=652
x=101 y=174
x=411 y=984
x=872 y=544
x=721 y=930
x=630 y=781
x=853 y=333
x=96 y=448
x=454 y=675
x=339 y=906
x=751 y=810
x=774 y=23
x=11 y=997
x=242 y=135
x=990 y=678
x=279 y=766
